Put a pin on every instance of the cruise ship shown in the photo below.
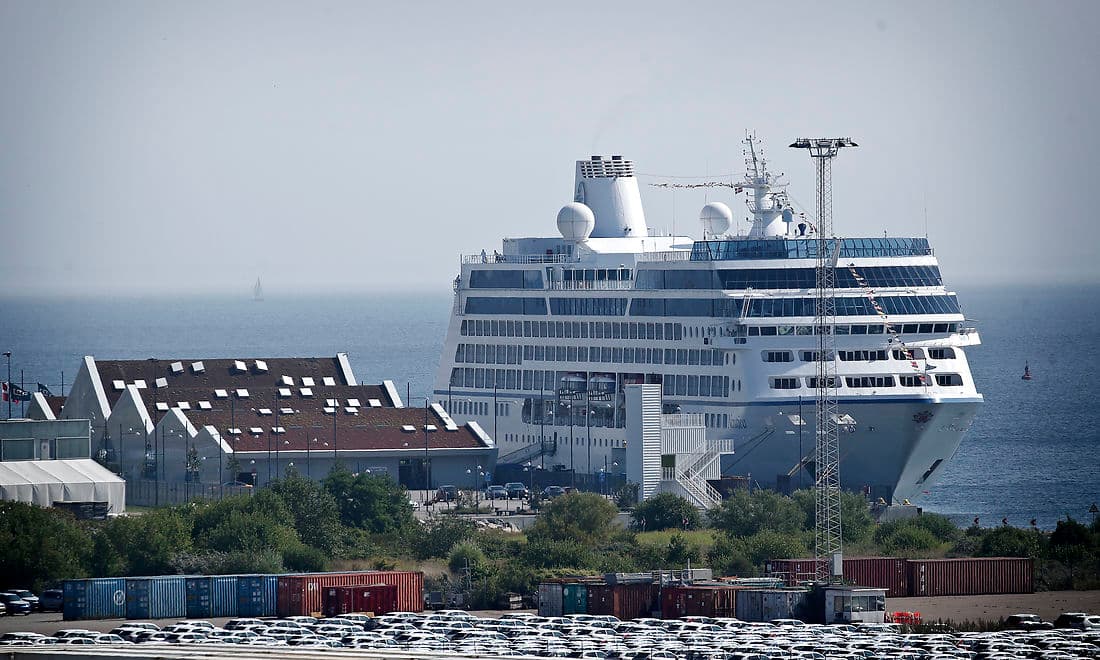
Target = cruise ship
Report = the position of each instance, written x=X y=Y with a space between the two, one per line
x=547 y=332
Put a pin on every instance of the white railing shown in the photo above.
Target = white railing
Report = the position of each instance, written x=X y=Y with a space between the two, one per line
x=596 y=285
x=496 y=258
x=682 y=420
x=665 y=255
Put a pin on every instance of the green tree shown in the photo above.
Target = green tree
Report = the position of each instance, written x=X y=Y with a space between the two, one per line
x=559 y=553
x=316 y=516
x=375 y=503
x=440 y=534
x=582 y=517
x=40 y=546
x=681 y=553
x=466 y=554
x=147 y=544
x=665 y=511
x=855 y=514
x=745 y=514
x=905 y=539
x=770 y=544
x=1011 y=542
x=729 y=556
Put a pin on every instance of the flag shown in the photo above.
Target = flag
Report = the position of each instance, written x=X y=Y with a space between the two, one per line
x=44 y=390
x=16 y=393
x=4 y=386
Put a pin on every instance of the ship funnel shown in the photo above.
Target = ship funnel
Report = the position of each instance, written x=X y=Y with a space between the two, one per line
x=606 y=184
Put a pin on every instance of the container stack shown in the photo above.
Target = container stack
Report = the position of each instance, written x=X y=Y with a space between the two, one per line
x=208 y=596
x=922 y=577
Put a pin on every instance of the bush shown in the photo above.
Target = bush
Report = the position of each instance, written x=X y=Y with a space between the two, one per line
x=40 y=545
x=584 y=518
x=1011 y=542
x=729 y=557
x=767 y=544
x=439 y=535
x=745 y=514
x=466 y=554
x=665 y=511
x=905 y=540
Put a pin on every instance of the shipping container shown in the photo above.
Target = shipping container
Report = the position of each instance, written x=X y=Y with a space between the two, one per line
x=211 y=596
x=769 y=604
x=156 y=597
x=574 y=599
x=889 y=573
x=372 y=599
x=625 y=601
x=711 y=600
x=301 y=594
x=257 y=595
x=793 y=572
x=95 y=598
x=550 y=599
x=967 y=577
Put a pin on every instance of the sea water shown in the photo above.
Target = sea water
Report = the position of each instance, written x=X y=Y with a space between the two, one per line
x=1032 y=452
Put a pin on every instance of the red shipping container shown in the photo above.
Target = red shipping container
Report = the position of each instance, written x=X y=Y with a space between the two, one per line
x=301 y=595
x=625 y=601
x=679 y=602
x=966 y=577
x=792 y=571
x=889 y=573
x=373 y=598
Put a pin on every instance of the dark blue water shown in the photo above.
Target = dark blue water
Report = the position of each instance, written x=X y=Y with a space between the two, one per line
x=1032 y=452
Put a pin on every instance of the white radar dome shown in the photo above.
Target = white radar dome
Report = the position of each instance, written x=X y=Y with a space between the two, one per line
x=716 y=218
x=576 y=222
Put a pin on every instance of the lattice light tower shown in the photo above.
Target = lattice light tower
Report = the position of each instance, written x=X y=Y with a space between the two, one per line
x=828 y=544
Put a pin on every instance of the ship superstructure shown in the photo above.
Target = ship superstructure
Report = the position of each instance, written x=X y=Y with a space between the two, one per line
x=546 y=334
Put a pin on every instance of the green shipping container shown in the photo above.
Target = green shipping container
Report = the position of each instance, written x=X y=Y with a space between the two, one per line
x=574 y=599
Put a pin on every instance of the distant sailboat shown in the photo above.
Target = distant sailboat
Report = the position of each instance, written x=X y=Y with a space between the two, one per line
x=258 y=291
x=1027 y=371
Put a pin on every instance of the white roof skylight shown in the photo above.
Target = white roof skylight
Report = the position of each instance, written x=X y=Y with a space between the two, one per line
x=162 y=406
x=332 y=402
x=307 y=381
x=204 y=405
x=177 y=367
x=161 y=382
x=408 y=428
x=286 y=411
x=140 y=384
x=264 y=411
x=329 y=381
x=351 y=410
x=330 y=410
x=239 y=365
x=278 y=429
x=119 y=385
x=305 y=391
x=255 y=430
x=198 y=367
x=234 y=431
x=284 y=391
x=374 y=403
x=354 y=403
x=288 y=380
x=430 y=427
x=242 y=393
x=183 y=405
x=261 y=366
x=221 y=394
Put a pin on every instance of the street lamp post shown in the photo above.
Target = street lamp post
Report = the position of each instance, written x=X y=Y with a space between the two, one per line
x=7 y=354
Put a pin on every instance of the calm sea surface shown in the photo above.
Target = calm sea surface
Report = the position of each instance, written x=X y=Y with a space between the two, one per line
x=1032 y=452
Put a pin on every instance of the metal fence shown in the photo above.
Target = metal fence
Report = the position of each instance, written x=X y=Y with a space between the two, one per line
x=149 y=492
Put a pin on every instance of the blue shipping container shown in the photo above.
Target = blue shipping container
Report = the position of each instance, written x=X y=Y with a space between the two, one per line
x=157 y=597
x=211 y=596
x=96 y=598
x=257 y=595
x=198 y=597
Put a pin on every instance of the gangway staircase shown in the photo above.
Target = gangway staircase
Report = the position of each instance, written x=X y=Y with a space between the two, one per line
x=695 y=459
x=544 y=447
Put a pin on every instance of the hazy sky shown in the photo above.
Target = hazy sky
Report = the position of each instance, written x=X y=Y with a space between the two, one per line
x=193 y=146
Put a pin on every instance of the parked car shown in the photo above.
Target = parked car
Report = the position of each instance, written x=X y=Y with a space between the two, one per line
x=496 y=493
x=1076 y=620
x=1027 y=622
x=51 y=600
x=447 y=493
x=551 y=492
x=14 y=603
x=27 y=596
x=516 y=489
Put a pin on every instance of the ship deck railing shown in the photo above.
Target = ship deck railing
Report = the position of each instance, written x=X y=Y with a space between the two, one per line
x=497 y=258
x=665 y=255
x=593 y=285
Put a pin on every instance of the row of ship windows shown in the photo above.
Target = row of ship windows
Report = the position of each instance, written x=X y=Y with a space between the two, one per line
x=905 y=380
x=529 y=439
x=862 y=355
x=854 y=329
x=572 y=329
x=502 y=354
x=668 y=331
x=547 y=381
x=722 y=278
x=787 y=278
x=712 y=307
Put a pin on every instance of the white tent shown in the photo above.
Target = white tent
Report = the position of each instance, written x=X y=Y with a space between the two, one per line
x=77 y=480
